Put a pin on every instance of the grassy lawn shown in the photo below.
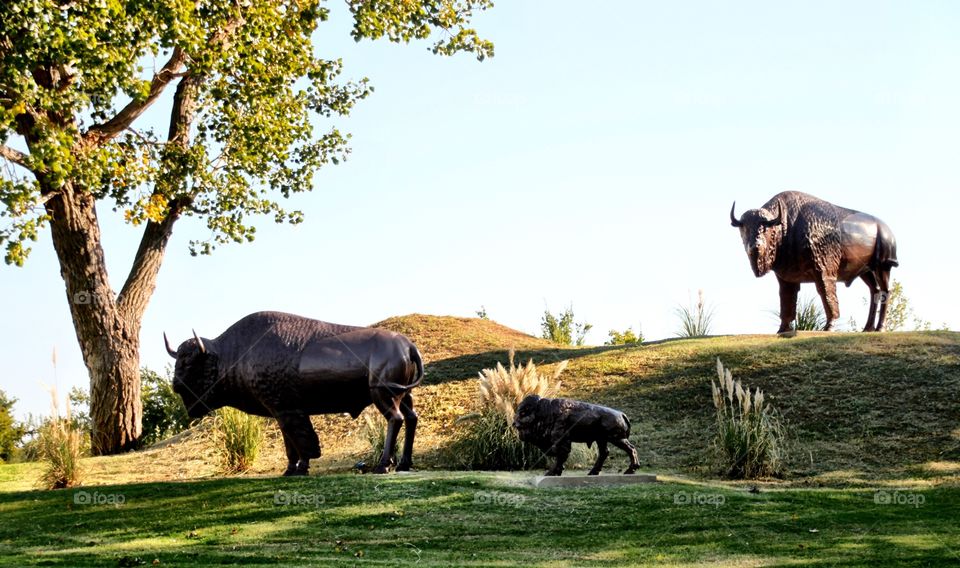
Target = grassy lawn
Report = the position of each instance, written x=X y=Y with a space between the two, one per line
x=443 y=519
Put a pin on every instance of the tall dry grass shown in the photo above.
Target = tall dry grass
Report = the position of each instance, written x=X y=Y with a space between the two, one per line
x=750 y=439
x=238 y=437
x=58 y=444
x=487 y=440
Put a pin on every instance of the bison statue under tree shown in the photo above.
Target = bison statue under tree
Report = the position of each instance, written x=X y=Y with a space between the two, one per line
x=805 y=239
x=552 y=424
x=290 y=367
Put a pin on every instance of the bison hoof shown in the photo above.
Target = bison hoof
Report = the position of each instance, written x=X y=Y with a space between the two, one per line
x=404 y=467
x=381 y=469
x=630 y=471
x=551 y=473
x=293 y=472
x=594 y=472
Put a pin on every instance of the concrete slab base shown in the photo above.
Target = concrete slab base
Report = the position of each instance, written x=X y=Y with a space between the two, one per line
x=593 y=480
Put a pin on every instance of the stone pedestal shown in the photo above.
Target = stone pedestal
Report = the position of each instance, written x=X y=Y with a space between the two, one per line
x=593 y=480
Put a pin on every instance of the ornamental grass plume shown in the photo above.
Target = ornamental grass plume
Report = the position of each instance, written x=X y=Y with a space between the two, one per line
x=749 y=441
x=487 y=439
x=59 y=442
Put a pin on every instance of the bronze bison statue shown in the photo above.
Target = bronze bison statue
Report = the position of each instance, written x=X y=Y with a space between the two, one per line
x=552 y=424
x=805 y=239
x=290 y=367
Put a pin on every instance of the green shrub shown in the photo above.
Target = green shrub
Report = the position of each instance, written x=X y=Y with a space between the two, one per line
x=239 y=437
x=562 y=328
x=163 y=411
x=749 y=441
x=487 y=440
x=58 y=447
x=626 y=337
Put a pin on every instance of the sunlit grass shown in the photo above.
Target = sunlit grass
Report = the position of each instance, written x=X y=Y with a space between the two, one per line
x=443 y=519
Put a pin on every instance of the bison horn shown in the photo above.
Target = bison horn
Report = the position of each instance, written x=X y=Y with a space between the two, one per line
x=199 y=342
x=167 y=343
x=779 y=218
x=733 y=218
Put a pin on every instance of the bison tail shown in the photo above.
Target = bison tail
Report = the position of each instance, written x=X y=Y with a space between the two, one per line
x=885 y=254
x=626 y=420
x=415 y=357
x=397 y=389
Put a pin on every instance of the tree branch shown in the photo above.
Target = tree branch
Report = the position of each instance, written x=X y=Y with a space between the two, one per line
x=100 y=132
x=13 y=155
x=141 y=281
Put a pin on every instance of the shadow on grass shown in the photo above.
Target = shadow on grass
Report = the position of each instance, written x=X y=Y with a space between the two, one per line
x=458 y=519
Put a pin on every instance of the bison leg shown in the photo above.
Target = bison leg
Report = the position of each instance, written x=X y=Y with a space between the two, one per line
x=602 y=454
x=871 y=281
x=387 y=404
x=626 y=446
x=410 y=430
x=293 y=457
x=562 y=451
x=884 y=295
x=827 y=288
x=297 y=429
x=788 y=304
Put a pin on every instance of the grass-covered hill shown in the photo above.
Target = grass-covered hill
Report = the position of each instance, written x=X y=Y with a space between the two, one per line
x=874 y=417
x=860 y=408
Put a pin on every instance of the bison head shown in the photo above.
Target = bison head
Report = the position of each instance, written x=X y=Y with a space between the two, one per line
x=761 y=231
x=525 y=419
x=195 y=375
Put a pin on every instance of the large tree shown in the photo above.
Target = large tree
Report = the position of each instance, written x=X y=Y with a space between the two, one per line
x=75 y=77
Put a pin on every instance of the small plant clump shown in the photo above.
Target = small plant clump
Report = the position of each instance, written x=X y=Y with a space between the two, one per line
x=59 y=444
x=810 y=316
x=696 y=320
x=749 y=441
x=239 y=437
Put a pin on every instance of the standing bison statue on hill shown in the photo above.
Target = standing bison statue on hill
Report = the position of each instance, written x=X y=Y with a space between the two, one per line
x=805 y=239
x=290 y=367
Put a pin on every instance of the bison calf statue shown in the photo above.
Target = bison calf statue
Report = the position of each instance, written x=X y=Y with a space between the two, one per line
x=290 y=367
x=805 y=239
x=552 y=424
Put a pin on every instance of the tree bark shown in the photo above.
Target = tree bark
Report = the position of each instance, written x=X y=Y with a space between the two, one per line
x=109 y=341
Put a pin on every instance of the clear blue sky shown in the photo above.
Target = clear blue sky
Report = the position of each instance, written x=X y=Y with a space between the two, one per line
x=592 y=161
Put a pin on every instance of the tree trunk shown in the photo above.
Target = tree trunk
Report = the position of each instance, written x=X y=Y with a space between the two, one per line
x=108 y=340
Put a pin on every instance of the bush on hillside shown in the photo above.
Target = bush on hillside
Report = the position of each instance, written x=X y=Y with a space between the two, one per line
x=696 y=320
x=749 y=441
x=810 y=316
x=487 y=440
x=563 y=329
x=625 y=337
